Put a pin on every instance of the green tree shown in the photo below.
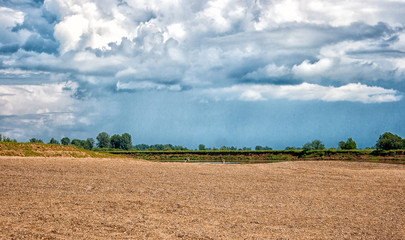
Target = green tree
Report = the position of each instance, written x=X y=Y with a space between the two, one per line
x=115 y=141
x=78 y=143
x=349 y=144
x=388 y=141
x=6 y=139
x=126 y=141
x=201 y=147
x=65 y=141
x=258 y=148
x=53 y=141
x=34 y=140
x=103 y=140
x=89 y=144
x=157 y=147
x=314 y=145
x=141 y=147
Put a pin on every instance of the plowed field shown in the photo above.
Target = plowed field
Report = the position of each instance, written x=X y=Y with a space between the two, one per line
x=89 y=198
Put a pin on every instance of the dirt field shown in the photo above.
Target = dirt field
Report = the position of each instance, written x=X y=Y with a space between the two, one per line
x=68 y=198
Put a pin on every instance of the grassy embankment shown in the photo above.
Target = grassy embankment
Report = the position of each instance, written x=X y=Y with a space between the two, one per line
x=46 y=150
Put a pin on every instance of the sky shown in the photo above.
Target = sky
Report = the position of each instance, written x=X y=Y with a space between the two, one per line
x=238 y=73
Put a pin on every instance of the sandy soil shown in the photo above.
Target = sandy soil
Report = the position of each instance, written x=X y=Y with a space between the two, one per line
x=67 y=198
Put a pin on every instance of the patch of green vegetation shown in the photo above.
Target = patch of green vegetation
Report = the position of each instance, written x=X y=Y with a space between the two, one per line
x=32 y=154
x=350 y=158
x=77 y=155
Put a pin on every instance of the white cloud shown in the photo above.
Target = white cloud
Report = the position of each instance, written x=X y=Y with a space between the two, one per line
x=10 y=17
x=39 y=110
x=334 y=13
x=251 y=95
x=37 y=99
x=176 y=31
x=351 y=92
x=126 y=72
x=70 y=32
x=312 y=69
x=361 y=93
x=215 y=13
x=85 y=22
x=146 y=85
x=269 y=71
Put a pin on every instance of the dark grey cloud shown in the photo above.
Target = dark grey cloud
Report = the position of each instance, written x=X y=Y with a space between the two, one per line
x=37 y=21
x=9 y=48
x=35 y=29
x=391 y=53
x=37 y=44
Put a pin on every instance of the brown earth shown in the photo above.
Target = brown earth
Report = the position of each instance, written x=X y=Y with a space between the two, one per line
x=93 y=198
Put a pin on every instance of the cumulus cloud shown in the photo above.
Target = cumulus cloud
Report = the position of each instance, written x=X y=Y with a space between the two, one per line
x=83 y=24
x=192 y=43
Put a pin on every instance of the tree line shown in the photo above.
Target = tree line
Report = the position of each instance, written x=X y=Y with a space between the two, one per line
x=386 y=141
x=6 y=139
x=350 y=144
x=104 y=140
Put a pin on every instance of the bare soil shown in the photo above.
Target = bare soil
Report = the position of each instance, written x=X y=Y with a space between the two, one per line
x=93 y=198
